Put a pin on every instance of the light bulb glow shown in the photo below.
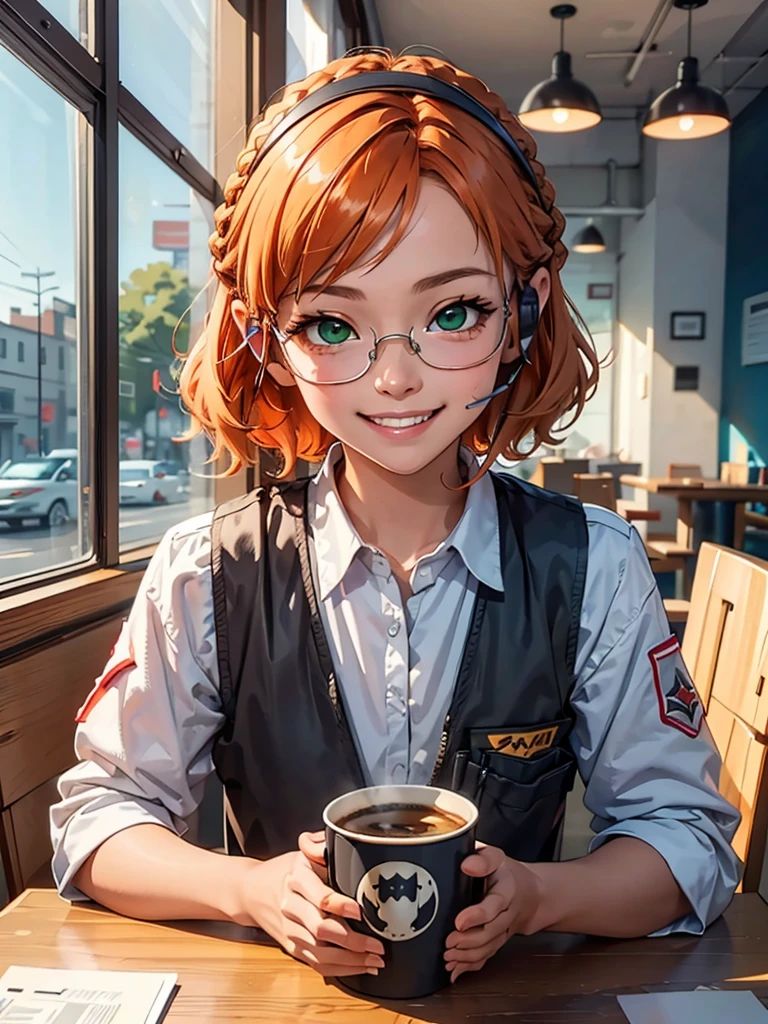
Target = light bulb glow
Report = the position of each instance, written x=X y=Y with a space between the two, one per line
x=560 y=115
x=686 y=124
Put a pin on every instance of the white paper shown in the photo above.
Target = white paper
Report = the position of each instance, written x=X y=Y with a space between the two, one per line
x=691 y=1008
x=32 y=995
x=754 y=330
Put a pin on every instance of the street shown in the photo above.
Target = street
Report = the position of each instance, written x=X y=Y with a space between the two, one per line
x=25 y=551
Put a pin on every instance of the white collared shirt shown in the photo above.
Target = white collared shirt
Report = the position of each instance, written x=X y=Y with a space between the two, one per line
x=145 y=748
x=397 y=664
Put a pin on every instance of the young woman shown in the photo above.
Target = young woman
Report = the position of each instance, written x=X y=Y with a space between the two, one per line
x=388 y=299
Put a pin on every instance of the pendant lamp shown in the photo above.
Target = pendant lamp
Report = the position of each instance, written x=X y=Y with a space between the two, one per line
x=561 y=103
x=589 y=239
x=688 y=110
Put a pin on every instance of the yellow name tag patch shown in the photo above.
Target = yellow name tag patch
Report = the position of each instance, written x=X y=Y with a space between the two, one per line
x=523 y=744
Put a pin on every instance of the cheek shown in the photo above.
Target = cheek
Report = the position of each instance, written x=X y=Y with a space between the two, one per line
x=330 y=405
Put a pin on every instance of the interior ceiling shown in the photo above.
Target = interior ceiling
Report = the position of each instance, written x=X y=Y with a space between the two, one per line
x=509 y=44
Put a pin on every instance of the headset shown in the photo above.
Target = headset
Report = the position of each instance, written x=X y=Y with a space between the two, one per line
x=425 y=85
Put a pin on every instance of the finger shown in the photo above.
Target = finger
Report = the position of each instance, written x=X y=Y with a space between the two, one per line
x=483 y=862
x=462 y=968
x=312 y=845
x=328 y=929
x=307 y=884
x=328 y=960
x=474 y=956
x=475 y=937
x=482 y=913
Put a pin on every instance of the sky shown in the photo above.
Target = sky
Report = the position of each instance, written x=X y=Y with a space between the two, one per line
x=42 y=134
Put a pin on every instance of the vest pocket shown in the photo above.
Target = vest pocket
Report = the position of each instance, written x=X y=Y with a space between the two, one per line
x=520 y=801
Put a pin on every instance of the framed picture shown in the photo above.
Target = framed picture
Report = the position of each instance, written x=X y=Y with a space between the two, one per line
x=600 y=291
x=688 y=326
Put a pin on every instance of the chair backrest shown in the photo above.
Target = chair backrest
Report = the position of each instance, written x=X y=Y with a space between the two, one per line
x=681 y=470
x=734 y=473
x=556 y=474
x=726 y=650
x=595 y=489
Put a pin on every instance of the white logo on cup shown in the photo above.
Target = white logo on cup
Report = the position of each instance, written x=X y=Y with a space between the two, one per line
x=399 y=900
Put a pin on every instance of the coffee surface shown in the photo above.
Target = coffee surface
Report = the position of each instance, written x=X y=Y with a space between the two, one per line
x=401 y=821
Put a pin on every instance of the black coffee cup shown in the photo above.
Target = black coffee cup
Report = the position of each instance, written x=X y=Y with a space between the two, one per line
x=409 y=888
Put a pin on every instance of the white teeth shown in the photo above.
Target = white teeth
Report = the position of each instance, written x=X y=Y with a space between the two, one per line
x=399 y=421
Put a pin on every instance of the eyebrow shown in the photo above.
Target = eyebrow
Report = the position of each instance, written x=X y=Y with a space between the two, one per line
x=426 y=284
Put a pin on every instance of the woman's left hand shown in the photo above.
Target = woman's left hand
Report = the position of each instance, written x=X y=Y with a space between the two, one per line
x=511 y=900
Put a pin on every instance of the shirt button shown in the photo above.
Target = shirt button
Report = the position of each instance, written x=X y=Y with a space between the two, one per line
x=423 y=572
x=394 y=629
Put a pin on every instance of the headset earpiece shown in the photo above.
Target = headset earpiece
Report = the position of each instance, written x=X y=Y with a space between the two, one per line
x=527 y=318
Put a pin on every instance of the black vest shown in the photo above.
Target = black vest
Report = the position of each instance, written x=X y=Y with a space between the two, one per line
x=286 y=749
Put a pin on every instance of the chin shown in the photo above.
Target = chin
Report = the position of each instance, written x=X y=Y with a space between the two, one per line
x=401 y=459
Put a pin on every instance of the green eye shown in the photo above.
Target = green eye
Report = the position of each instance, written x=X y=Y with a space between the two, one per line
x=330 y=332
x=458 y=317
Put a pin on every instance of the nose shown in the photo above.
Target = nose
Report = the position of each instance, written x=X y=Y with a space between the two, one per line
x=397 y=368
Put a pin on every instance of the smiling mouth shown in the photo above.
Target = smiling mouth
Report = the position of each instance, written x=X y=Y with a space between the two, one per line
x=402 y=422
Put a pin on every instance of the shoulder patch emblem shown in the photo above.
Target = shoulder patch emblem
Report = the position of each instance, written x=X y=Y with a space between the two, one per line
x=679 y=704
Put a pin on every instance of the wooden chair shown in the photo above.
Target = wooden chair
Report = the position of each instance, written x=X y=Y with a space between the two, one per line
x=682 y=470
x=556 y=474
x=600 y=489
x=734 y=473
x=726 y=651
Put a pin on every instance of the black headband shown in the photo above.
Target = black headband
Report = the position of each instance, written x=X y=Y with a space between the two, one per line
x=402 y=81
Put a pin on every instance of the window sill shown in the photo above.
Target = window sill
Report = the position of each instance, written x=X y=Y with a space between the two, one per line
x=44 y=614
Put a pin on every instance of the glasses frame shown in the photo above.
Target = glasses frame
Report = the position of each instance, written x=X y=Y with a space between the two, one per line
x=373 y=353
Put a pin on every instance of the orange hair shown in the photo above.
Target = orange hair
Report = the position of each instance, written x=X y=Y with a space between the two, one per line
x=314 y=207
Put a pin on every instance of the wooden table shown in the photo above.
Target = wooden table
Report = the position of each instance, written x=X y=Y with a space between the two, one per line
x=692 y=495
x=224 y=975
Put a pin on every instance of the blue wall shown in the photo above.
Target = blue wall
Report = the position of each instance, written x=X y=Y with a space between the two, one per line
x=745 y=388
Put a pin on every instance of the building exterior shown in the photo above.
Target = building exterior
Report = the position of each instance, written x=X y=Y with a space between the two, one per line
x=20 y=410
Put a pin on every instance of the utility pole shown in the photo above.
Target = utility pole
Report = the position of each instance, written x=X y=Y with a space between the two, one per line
x=38 y=292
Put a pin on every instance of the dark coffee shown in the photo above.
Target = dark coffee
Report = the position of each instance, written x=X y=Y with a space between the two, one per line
x=401 y=821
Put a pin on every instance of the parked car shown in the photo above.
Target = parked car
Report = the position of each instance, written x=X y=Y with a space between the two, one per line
x=40 y=487
x=152 y=482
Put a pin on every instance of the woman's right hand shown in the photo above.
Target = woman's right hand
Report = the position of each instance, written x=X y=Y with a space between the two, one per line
x=286 y=897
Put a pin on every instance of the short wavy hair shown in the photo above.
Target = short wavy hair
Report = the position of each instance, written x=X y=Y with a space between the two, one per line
x=315 y=205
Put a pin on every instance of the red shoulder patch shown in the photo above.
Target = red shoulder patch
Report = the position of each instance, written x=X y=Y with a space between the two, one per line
x=101 y=688
x=679 y=704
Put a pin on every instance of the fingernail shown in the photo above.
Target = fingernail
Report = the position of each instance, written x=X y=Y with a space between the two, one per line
x=374 y=961
x=372 y=970
x=372 y=946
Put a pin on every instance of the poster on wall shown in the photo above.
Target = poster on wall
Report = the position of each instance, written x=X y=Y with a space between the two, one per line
x=754 y=330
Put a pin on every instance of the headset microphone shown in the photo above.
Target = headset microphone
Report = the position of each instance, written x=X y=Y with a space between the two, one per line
x=528 y=319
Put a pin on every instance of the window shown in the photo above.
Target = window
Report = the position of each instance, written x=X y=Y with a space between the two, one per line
x=166 y=60
x=164 y=230
x=73 y=16
x=62 y=359
x=315 y=34
x=43 y=355
x=3 y=348
x=44 y=241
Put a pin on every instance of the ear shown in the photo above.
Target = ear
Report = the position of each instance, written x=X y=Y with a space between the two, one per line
x=542 y=283
x=243 y=319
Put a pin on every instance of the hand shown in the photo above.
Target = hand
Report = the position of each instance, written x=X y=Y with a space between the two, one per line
x=287 y=898
x=511 y=899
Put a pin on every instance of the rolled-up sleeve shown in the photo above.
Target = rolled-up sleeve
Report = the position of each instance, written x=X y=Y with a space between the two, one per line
x=645 y=753
x=146 y=731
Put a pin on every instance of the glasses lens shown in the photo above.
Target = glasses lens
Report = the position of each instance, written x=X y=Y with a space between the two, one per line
x=462 y=334
x=327 y=351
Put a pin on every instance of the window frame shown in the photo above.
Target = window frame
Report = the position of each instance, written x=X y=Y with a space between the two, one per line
x=251 y=31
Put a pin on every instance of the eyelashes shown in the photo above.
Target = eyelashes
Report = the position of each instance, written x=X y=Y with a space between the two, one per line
x=301 y=322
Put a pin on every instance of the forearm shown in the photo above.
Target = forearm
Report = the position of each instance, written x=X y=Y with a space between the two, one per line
x=149 y=873
x=624 y=889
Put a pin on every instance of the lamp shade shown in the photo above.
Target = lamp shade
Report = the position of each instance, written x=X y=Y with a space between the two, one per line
x=688 y=110
x=561 y=103
x=589 y=239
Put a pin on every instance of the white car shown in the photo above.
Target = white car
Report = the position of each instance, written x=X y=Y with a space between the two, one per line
x=152 y=482
x=42 y=488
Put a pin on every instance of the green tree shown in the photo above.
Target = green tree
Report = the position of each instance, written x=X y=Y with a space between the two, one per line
x=152 y=302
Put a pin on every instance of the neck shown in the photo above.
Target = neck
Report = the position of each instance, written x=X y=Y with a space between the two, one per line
x=402 y=516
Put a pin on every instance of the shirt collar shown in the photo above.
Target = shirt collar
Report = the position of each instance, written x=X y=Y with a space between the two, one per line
x=475 y=537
